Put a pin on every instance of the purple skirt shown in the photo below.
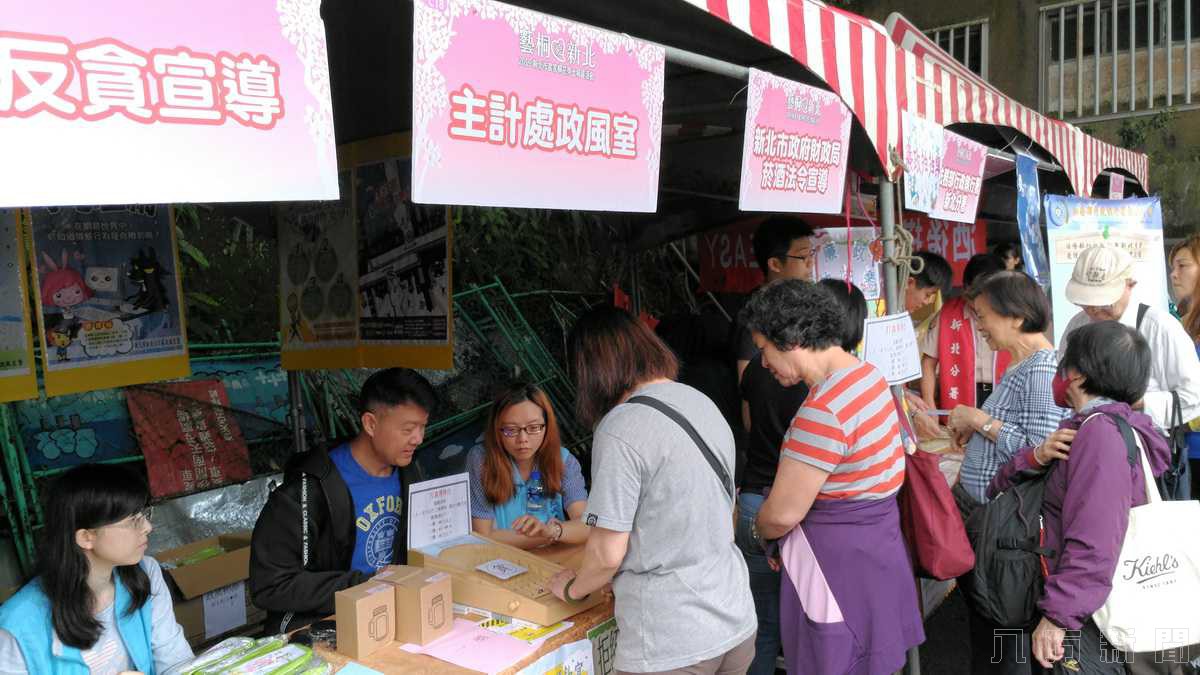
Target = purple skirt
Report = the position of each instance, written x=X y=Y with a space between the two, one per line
x=848 y=598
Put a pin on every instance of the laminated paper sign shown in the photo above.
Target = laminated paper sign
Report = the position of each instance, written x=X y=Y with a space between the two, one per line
x=859 y=259
x=512 y=107
x=168 y=102
x=924 y=145
x=17 y=378
x=796 y=147
x=108 y=296
x=961 y=179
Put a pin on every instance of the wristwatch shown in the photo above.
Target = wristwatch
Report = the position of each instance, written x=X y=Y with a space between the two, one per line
x=558 y=532
x=987 y=428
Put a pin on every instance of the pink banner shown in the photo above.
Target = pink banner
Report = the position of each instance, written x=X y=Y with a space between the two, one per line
x=122 y=102
x=516 y=108
x=796 y=147
x=961 y=179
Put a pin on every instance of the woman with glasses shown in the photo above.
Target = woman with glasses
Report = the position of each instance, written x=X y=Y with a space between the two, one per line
x=521 y=448
x=98 y=603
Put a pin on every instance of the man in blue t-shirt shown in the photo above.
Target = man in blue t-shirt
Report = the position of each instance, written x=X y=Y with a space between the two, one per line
x=340 y=514
x=377 y=508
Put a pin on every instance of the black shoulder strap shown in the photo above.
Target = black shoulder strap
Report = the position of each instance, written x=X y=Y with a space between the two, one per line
x=1127 y=432
x=1142 y=307
x=717 y=467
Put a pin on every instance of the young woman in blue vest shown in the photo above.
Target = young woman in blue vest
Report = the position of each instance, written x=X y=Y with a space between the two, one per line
x=99 y=605
x=521 y=439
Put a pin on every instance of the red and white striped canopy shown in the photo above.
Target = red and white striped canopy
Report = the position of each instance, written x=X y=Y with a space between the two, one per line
x=939 y=88
x=879 y=73
x=851 y=54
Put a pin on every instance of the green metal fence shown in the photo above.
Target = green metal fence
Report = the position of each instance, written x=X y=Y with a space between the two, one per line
x=493 y=341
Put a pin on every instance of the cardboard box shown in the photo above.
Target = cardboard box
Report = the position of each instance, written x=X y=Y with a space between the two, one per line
x=217 y=583
x=424 y=604
x=366 y=618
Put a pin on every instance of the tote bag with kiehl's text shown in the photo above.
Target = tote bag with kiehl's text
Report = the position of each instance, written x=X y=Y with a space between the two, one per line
x=1157 y=582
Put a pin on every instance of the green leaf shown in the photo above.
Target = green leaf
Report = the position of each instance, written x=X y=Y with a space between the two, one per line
x=204 y=299
x=192 y=252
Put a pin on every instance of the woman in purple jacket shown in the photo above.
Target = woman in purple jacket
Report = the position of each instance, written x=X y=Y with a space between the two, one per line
x=1086 y=505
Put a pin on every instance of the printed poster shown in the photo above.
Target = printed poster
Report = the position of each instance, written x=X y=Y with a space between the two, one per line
x=1029 y=221
x=862 y=256
x=796 y=147
x=961 y=179
x=318 y=270
x=183 y=105
x=189 y=436
x=18 y=380
x=956 y=242
x=109 y=299
x=924 y=148
x=512 y=107
x=366 y=281
x=1074 y=224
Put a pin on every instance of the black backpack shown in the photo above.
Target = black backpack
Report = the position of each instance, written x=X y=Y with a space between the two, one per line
x=1008 y=537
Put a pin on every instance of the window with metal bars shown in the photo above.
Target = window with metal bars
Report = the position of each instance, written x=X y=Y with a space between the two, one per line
x=966 y=42
x=1100 y=58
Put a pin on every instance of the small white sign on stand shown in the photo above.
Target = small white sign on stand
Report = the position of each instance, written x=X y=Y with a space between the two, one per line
x=439 y=511
x=890 y=344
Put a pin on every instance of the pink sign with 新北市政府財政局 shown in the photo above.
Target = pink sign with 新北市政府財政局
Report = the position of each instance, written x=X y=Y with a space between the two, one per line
x=961 y=179
x=164 y=102
x=796 y=147
x=512 y=107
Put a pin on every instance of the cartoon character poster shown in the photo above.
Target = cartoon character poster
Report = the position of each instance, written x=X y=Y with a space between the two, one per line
x=108 y=297
x=318 y=275
x=17 y=378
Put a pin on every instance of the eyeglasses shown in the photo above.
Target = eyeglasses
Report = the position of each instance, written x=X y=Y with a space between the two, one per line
x=801 y=258
x=136 y=521
x=529 y=429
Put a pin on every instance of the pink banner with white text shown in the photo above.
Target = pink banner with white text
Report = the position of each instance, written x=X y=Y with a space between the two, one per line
x=961 y=179
x=126 y=101
x=796 y=147
x=512 y=107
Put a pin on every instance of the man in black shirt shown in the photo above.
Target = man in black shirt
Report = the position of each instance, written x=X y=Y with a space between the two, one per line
x=783 y=249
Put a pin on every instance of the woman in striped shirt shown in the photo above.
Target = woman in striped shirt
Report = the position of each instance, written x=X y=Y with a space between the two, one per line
x=847 y=599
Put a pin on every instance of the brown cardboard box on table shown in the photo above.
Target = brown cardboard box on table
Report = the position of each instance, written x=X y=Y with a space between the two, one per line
x=192 y=582
x=366 y=618
x=424 y=604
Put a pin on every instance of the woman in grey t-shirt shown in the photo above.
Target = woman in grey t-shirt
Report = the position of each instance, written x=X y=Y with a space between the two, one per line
x=662 y=515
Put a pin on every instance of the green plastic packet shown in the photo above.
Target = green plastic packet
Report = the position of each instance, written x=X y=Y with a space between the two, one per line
x=288 y=660
x=200 y=556
x=260 y=647
x=222 y=650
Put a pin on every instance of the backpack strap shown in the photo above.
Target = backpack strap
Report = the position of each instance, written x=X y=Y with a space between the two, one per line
x=1142 y=307
x=718 y=468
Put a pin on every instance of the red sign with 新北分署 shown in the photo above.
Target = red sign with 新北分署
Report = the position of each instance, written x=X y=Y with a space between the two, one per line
x=188 y=435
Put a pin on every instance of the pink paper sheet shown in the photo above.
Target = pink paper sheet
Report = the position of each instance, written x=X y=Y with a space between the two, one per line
x=470 y=646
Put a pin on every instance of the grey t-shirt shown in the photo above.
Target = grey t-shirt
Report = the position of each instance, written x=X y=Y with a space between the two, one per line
x=682 y=591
